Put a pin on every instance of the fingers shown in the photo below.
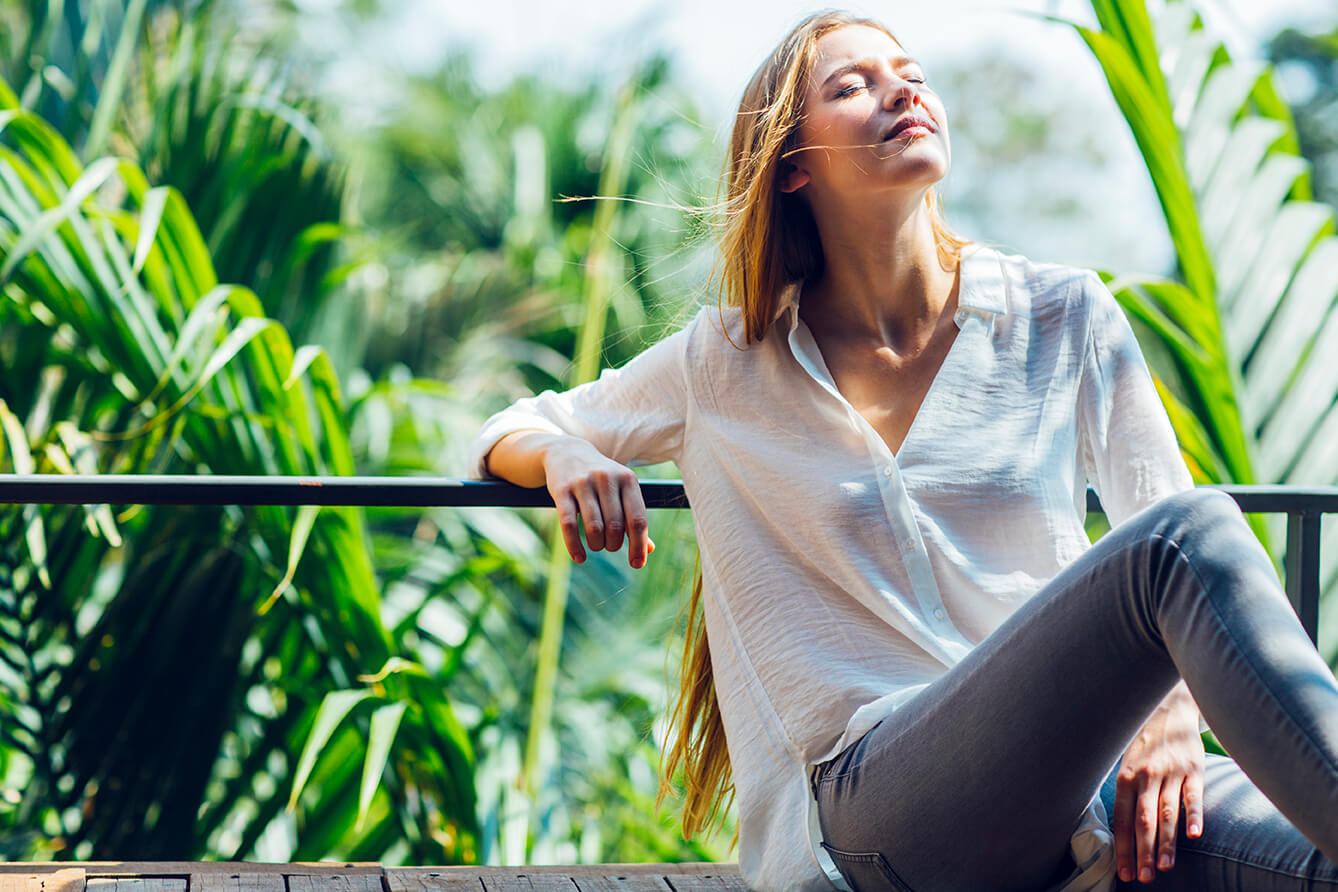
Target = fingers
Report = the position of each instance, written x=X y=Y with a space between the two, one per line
x=1122 y=825
x=1145 y=831
x=606 y=505
x=1135 y=826
x=638 y=536
x=592 y=517
x=568 y=521
x=1192 y=794
x=1168 y=815
x=1145 y=822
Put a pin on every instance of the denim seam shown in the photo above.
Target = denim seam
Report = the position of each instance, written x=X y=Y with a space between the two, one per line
x=1226 y=627
x=830 y=776
x=875 y=858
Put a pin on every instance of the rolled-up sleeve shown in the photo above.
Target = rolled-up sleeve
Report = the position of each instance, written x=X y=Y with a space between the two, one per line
x=1128 y=446
x=633 y=414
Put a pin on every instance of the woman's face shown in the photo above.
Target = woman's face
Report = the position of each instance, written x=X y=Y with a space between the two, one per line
x=870 y=121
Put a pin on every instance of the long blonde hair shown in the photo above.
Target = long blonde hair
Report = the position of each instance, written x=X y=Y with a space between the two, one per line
x=768 y=240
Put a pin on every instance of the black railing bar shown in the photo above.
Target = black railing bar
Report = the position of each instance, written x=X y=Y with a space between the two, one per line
x=421 y=492
x=1266 y=499
x=185 y=489
x=1301 y=568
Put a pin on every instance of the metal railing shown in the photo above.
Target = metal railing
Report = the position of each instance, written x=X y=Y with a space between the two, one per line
x=1304 y=506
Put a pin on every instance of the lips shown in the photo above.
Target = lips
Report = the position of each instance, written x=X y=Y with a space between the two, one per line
x=906 y=123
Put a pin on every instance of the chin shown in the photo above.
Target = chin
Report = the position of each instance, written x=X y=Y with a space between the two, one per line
x=911 y=173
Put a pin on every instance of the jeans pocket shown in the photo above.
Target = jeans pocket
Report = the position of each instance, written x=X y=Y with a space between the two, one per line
x=866 y=871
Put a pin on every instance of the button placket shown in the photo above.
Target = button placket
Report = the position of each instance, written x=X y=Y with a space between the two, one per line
x=896 y=501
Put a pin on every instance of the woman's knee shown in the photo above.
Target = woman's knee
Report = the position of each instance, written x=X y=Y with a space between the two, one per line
x=1206 y=528
x=1202 y=519
x=1200 y=504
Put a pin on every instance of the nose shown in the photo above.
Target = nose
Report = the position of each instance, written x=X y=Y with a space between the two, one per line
x=902 y=93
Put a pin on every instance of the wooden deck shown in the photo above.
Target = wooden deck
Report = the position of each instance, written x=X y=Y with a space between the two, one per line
x=141 y=876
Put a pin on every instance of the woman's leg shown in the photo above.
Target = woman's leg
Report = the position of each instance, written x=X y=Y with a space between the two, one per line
x=1246 y=844
x=979 y=781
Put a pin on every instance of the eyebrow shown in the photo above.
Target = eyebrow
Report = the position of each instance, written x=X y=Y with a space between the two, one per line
x=869 y=62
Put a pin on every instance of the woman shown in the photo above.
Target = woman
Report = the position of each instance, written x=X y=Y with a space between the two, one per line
x=920 y=662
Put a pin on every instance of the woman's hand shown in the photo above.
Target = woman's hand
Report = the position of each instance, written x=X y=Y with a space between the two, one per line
x=1161 y=769
x=606 y=495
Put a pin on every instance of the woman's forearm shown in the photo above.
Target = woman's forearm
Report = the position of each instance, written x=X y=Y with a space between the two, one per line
x=520 y=456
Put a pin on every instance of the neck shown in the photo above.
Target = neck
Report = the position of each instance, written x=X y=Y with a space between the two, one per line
x=882 y=276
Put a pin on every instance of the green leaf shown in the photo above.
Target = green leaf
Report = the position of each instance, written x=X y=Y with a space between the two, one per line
x=384 y=725
x=89 y=182
x=113 y=84
x=150 y=218
x=34 y=532
x=332 y=711
x=305 y=520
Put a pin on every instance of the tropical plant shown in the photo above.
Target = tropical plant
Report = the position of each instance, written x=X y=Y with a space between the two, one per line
x=159 y=669
x=122 y=354
x=1240 y=341
x=200 y=106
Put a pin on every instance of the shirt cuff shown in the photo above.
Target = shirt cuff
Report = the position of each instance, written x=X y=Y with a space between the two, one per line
x=497 y=427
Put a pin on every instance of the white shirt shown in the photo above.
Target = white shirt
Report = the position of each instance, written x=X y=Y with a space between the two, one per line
x=840 y=579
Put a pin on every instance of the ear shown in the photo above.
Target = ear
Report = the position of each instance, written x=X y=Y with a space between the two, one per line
x=792 y=177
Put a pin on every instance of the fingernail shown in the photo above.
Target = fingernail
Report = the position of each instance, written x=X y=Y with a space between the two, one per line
x=1126 y=874
x=637 y=563
x=1145 y=875
x=1165 y=862
x=1193 y=829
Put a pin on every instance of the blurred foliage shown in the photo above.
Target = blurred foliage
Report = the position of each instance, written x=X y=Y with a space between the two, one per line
x=482 y=239
x=1034 y=167
x=1312 y=59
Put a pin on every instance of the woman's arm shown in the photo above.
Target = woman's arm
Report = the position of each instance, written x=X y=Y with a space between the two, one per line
x=579 y=444
x=588 y=489
x=632 y=415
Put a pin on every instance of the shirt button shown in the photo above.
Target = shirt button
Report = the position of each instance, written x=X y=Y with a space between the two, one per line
x=939 y=614
x=908 y=545
x=961 y=316
x=887 y=472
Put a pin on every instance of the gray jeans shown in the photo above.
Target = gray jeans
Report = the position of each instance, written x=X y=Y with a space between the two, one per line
x=979 y=781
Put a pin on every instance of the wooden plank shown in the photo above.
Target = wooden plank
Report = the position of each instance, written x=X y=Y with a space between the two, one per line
x=686 y=882
x=427 y=880
x=616 y=882
x=218 y=881
x=20 y=882
x=65 y=879
x=190 y=868
x=135 y=884
x=405 y=879
x=522 y=879
x=303 y=882
x=584 y=877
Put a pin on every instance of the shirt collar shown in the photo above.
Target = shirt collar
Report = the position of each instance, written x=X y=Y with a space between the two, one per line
x=982 y=290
